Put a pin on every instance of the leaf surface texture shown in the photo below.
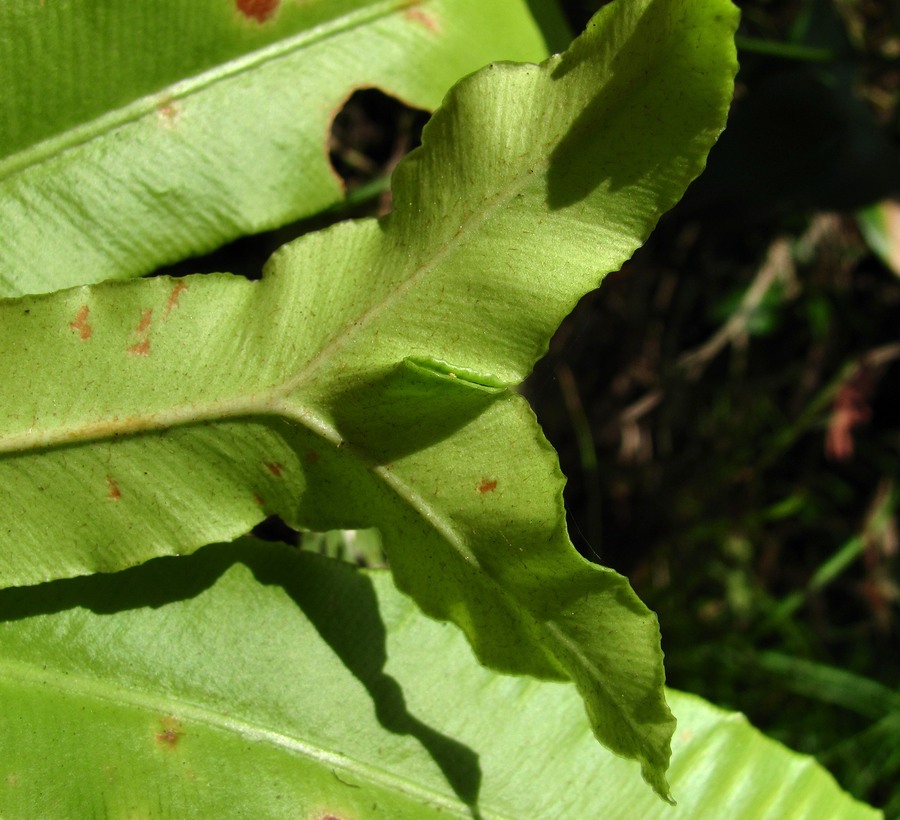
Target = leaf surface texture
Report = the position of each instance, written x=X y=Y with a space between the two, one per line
x=131 y=138
x=364 y=381
x=250 y=680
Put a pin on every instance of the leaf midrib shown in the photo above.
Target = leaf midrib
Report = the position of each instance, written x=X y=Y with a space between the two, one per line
x=554 y=632
x=76 y=684
x=276 y=400
x=72 y=138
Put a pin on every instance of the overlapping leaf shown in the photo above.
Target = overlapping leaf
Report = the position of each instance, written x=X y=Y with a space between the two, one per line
x=249 y=680
x=363 y=381
x=131 y=138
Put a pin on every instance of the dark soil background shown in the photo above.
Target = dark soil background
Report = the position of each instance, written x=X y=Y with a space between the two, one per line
x=726 y=406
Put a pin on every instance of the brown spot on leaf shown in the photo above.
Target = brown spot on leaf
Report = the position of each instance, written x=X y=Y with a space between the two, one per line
x=487 y=485
x=174 y=296
x=146 y=321
x=259 y=499
x=112 y=489
x=312 y=457
x=142 y=346
x=170 y=732
x=423 y=18
x=259 y=10
x=168 y=112
x=275 y=468
x=80 y=323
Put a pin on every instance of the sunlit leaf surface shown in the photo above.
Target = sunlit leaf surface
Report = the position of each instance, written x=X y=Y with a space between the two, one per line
x=255 y=681
x=365 y=380
x=132 y=136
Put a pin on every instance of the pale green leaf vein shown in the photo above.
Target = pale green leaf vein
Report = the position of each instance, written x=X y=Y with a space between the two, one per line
x=108 y=691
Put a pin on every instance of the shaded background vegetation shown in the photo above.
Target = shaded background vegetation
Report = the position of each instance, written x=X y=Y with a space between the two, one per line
x=726 y=407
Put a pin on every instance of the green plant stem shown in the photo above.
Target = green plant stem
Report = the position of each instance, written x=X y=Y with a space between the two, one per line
x=787 y=51
x=828 y=684
x=835 y=565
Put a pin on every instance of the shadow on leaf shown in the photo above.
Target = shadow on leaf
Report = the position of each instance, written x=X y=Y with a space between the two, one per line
x=409 y=407
x=356 y=633
x=339 y=602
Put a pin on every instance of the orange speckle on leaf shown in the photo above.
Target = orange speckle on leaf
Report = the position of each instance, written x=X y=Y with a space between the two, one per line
x=312 y=457
x=487 y=485
x=423 y=18
x=170 y=732
x=80 y=323
x=259 y=10
x=112 y=489
x=146 y=320
x=259 y=499
x=174 y=296
x=142 y=331
x=275 y=468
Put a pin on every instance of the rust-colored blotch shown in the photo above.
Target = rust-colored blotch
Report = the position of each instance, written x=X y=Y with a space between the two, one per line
x=142 y=346
x=174 y=296
x=423 y=18
x=146 y=321
x=487 y=485
x=80 y=323
x=112 y=489
x=259 y=10
x=170 y=732
x=275 y=468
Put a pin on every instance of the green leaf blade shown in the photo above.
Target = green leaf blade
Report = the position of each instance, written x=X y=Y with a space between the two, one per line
x=201 y=125
x=603 y=158
x=361 y=382
x=250 y=679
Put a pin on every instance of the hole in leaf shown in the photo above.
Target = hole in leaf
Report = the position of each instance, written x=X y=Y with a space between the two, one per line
x=370 y=135
x=274 y=529
x=362 y=548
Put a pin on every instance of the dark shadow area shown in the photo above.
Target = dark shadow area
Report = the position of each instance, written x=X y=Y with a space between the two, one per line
x=552 y=21
x=159 y=582
x=356 y=633
x=582 y=160
x=799 y=137
x=371 y=134
x=725 y=406
x=407 y=408
x=358 y=637
x=275 y=529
